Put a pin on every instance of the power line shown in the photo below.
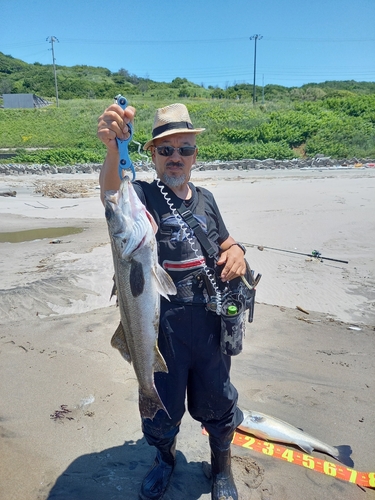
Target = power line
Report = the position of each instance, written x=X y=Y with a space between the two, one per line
x=202 y=40
x=236 y=74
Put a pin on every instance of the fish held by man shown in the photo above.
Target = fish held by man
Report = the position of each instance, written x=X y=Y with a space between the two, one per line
x=140 y=281
x=273 y=429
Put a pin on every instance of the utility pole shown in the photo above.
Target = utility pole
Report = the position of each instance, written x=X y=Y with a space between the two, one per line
x=263 y=89
x=51 y=40
x=255 y=38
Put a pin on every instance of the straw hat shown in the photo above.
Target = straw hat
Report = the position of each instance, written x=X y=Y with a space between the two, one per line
x=173 y=119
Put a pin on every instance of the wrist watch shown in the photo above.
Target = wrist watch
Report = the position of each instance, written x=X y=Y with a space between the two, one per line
x=239 y=245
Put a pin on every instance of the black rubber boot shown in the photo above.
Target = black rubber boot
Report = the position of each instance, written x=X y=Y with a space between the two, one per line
x=223 y=487
x=157 y=479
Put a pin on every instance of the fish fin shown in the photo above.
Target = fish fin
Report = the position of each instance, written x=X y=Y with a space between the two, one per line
x=150 y=404
x=159 y=363
x=305 y=446
x=118 y=341
x=164 y=282
x=343 y=455
x=114 y=288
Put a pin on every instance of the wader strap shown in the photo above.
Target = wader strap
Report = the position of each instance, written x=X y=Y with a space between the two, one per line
x=192 y=222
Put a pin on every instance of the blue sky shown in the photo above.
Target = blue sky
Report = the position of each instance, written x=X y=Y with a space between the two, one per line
x=207 y=41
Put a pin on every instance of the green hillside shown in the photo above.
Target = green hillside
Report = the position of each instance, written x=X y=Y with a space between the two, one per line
x=332 y=118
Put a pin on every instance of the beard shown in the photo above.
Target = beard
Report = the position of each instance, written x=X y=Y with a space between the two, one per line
x=173 y=181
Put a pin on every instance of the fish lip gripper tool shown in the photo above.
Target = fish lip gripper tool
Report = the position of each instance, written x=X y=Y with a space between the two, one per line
x=125 y=162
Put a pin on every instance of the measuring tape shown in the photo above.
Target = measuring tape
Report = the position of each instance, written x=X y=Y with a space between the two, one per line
x=365 y=479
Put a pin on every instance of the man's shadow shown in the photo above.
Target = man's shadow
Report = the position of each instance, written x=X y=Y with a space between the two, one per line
x=117 y=473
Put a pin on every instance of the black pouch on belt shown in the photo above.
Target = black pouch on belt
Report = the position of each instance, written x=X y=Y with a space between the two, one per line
x=232 y=324
x=237 y=299
x=242 y=290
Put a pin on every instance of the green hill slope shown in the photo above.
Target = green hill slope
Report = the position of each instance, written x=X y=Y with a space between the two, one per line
x=332 y=118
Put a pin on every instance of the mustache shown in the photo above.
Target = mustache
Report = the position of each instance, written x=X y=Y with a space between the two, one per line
x=172 y=163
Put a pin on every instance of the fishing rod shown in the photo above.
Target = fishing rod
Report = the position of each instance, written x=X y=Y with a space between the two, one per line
x=314 y=253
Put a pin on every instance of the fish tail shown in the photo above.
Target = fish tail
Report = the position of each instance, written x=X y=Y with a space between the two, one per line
x=150 y=404
x=343 y=455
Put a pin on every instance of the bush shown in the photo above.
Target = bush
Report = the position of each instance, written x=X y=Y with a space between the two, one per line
x=64 y=156
x=334 y=126
x=260 y=151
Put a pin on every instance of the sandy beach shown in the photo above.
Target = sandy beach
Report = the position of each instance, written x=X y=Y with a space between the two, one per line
x=69 y=421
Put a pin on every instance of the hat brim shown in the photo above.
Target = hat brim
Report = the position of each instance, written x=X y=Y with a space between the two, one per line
x=172 y=132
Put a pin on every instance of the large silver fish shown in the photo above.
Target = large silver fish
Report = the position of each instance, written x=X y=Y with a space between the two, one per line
x=140 y=281
x=273 y=429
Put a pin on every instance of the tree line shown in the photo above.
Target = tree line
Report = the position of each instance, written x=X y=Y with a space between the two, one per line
x=89 y=82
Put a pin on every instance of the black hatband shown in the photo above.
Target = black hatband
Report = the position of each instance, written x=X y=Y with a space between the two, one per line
x=170 y=126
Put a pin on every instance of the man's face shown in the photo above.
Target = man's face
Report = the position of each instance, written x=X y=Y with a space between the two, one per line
x=174 y=170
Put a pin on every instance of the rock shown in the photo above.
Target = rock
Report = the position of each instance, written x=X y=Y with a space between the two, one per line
x=246 y=164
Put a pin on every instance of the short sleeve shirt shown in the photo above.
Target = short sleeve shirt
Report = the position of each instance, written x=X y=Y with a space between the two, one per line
x=180 y=252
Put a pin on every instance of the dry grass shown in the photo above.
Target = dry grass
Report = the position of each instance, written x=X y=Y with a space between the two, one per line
x=67 y=189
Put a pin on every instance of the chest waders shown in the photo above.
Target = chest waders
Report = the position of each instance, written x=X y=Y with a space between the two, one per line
x=189 y=292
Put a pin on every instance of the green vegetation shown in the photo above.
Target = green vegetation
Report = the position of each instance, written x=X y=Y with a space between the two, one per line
x=333 y=118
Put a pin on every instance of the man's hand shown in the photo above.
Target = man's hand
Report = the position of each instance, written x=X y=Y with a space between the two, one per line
x=113 y=123
x=234 y=262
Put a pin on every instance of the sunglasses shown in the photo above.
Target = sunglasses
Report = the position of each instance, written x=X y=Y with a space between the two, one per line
x=169 y=150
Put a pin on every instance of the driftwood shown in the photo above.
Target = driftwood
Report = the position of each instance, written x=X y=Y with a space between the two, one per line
x=8 y=193
x=66 y=189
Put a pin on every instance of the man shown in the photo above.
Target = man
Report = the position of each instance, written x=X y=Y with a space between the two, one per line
x=189 y=335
